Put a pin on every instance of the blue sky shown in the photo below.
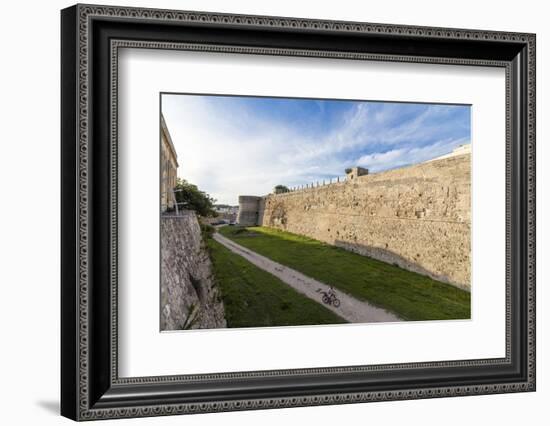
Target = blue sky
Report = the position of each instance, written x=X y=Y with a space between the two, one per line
x=231 y=146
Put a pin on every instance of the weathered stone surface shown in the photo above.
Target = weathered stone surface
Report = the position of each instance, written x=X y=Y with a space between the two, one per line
x=188 y=294
x=416 y=217
x=248 y=210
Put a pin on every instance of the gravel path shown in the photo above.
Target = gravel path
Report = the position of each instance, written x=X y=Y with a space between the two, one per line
x=351 y=309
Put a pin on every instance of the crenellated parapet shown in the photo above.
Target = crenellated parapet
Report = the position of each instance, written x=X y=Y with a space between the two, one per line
x=416 y=217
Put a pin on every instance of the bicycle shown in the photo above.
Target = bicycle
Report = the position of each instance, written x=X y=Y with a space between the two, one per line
x=329 y=298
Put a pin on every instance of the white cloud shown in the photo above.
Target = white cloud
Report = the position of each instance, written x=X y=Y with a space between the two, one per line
x=228 y=153
x=405 y=156
x=230 y=157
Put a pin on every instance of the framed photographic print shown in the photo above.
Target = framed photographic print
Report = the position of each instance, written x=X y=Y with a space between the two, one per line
x=263 y=212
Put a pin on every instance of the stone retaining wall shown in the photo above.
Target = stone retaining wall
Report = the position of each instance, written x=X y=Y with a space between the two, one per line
x=189 y=297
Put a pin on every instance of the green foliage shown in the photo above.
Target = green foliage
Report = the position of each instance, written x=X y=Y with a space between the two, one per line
x=255 y=298
x=207 y=230
x=279 y=189
x=348 y=170
x=188 y=196
x=410 y=295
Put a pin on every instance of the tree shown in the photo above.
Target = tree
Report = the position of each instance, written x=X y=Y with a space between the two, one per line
x=279 y=189
x=188 y=196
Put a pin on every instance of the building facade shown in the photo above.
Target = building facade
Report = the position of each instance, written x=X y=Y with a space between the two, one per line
x=169 y=168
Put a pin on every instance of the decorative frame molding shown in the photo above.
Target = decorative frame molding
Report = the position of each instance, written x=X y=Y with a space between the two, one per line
x=91 y=37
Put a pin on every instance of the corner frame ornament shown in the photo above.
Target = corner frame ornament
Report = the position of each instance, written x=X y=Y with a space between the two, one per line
x=91 y=388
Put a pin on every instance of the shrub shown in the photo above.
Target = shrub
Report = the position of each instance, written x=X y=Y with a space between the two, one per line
x=189 y=197
x=207 y=230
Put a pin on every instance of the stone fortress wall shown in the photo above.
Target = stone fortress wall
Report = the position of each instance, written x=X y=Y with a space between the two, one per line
x=249 y=206
x=189 y=295
x=416 y=217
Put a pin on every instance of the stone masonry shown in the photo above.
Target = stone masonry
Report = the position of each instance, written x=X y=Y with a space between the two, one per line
x=416 y=217
x=189 y=296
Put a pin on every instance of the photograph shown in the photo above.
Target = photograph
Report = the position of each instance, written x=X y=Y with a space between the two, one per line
x=265 y=208
x=279 y=211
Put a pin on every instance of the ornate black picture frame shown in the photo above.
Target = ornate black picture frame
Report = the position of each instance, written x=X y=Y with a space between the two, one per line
x=91 y=36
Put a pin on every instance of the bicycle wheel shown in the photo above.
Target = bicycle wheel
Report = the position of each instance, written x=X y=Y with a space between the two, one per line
x=336 y=302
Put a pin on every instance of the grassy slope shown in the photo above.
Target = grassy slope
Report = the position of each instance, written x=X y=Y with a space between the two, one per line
x=255 y=298
x=410 y=295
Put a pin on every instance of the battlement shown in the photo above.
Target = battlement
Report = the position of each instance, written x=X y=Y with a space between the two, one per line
x=417 y=217
x=355 y=172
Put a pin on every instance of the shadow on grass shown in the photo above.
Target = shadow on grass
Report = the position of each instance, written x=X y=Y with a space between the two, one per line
x=392 y=258
x=410 y=295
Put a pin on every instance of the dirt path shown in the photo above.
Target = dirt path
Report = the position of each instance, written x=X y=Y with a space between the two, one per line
x=351 y=309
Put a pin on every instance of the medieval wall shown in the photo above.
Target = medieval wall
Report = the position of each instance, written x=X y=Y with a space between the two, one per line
x=248 y=214
x=188 y=294
x=416 y=217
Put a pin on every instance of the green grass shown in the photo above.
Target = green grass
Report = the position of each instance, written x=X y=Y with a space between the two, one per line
x=410 y=295
x=255 y=298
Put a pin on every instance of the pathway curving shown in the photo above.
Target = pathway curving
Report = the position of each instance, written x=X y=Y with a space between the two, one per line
x=351 y=309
